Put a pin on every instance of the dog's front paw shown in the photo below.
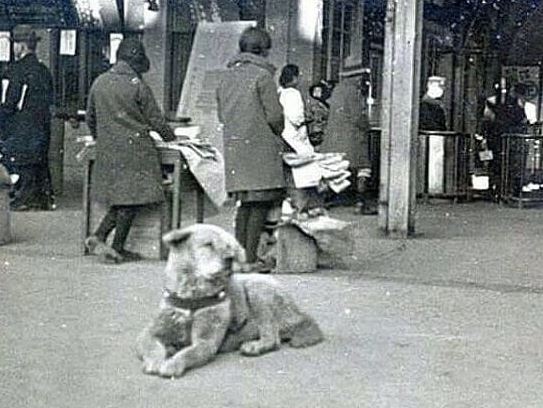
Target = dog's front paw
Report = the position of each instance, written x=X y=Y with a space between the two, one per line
x=151 y=367
x=171 y=368
x=254 y=348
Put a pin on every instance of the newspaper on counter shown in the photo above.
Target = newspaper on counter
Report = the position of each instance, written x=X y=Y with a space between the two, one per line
x=329 y=169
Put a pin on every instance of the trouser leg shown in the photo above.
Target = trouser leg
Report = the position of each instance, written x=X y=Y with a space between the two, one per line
x=495 y=168
x=255 y=227
x=125 y=217
x=299 y=198
x=365 y=202
x=42 y=195
x=46 y=186
x=250 y=222
x=107 y=224
x=24 y=192
x=242 y=217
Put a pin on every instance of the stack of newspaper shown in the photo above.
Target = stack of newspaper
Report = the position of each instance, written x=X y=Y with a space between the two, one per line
x=330 y=169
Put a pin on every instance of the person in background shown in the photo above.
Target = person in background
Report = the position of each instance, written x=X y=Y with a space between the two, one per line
x=295 y=134
x=25 y=123
x=121 y=111
x=252 y=117
x=503 y=113
x=347 y=132
x=295 y=124
x=432 y=114
x=318 y=111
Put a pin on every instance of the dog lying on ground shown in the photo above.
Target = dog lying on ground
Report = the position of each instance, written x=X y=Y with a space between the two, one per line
x=208 y=308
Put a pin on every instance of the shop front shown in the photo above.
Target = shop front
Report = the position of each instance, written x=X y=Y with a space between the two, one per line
x=474 y=46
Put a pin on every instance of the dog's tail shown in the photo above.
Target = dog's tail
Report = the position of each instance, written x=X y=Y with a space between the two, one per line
x=306 y=333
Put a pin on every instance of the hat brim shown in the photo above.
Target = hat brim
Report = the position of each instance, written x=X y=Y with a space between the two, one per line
x=27 y=39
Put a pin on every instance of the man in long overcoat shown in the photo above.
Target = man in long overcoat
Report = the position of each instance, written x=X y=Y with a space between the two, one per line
x=249 y=109
x=25 y=122
x=347 y=132
x=121 y=110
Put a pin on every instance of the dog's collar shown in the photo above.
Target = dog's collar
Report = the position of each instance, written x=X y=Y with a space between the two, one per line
x=193 y=304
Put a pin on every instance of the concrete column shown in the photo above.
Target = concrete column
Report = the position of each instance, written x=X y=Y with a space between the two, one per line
x=401 y=83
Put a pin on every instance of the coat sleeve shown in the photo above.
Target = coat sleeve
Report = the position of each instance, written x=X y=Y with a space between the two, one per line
x=12 y=94
x=269 y=100
x=90 y=116
x=152 y=112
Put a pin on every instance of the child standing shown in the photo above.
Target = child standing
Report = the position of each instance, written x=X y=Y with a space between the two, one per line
x=295 y=131
x=295 y=134
x=318 y=111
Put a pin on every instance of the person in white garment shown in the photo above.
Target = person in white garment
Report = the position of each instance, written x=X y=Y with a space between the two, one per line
x=295 y=134
x=295 y=131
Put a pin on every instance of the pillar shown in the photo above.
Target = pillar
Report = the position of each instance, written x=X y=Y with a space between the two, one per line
x=399 y=116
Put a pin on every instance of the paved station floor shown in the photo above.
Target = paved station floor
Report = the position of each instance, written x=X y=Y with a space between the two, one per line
x=450 y=318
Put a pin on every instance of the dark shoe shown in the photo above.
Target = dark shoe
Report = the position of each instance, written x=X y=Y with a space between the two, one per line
x=48 y=206
x=111 y=258
x=257 y=267
x=21 y=207
x=364 y=209
x=129 y=256
x=91 y=243
x=107 y=254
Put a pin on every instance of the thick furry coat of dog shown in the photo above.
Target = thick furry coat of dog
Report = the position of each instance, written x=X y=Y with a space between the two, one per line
x=208 y=308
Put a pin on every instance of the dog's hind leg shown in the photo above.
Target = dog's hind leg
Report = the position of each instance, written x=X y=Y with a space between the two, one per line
x=267 y=326
x=305 y=334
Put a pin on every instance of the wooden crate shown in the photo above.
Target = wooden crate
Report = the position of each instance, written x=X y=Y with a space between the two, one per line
x=296 y=251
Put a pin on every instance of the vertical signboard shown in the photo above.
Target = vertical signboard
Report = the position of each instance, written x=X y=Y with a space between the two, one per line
x=214 y=44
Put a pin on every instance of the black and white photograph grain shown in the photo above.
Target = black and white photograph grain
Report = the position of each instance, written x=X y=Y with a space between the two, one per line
x=271 y=203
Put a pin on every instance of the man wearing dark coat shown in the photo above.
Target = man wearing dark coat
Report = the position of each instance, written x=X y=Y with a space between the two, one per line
x=348 y=132
x=249 y=109
x=25 y=121
x=121 y=111
x=504 y=113
x=431 y=111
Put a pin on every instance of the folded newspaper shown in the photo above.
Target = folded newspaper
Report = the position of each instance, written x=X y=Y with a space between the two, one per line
x=312 y=170
x=204 y=161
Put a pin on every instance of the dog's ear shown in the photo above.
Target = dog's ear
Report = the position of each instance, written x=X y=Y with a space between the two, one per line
x=236 y=252
x=176 y=237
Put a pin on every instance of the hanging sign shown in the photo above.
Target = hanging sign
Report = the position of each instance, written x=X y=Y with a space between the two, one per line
x=114 y=42
x=5 y=46
x=68 y=41
x=214 y=44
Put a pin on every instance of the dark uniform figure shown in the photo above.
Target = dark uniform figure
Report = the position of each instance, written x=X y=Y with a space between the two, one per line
x=431 y=113
x=121 y=111
x=25 y=122
x=347 y=132
x=249 y=108
x=504 y=114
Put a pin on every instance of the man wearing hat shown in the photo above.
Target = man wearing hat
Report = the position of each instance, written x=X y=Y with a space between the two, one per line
x=25 y=119
x=432 y=113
